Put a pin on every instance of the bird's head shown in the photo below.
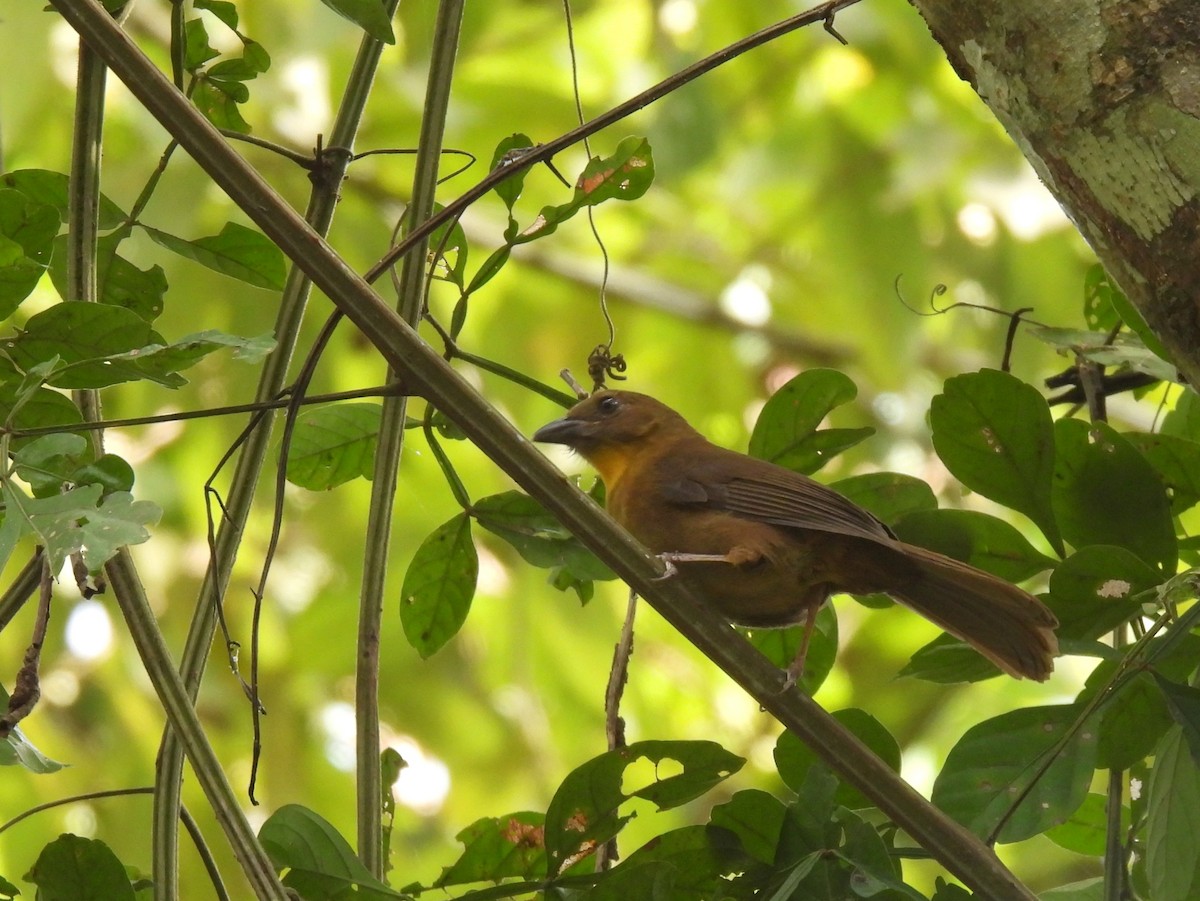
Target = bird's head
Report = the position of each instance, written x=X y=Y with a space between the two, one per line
x=610 y=427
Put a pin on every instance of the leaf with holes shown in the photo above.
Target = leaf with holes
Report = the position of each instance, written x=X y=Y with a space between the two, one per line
x=585 y=810
x=1096 y=589
x=997 y=760
x=439 y=586
x=118 y=282
x=626 y=175
x=995 y=435
x=496 y=848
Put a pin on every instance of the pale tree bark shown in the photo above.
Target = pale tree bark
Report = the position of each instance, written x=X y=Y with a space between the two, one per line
x=1103 y=98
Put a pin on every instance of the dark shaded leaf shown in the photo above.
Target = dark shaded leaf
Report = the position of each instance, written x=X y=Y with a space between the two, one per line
x=996 y=760
x=794 y=759
x=1106 y=493
x=780 y=647
x=1173 y=822
x=1177 y=462
x=995 y=434
x=887 y=495
x=1095 y=590
x=948 y=661
x=984 y=541
x=1183 y=703
x=584 y=810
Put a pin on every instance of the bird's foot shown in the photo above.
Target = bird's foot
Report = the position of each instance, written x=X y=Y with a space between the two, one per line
x=670 y=558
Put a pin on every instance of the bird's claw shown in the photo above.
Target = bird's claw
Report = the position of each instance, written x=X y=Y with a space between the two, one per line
x=670 y=569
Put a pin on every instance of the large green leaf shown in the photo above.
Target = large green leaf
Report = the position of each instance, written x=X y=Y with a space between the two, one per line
x=995 y=434
x=316 y=861
x=72 y=868
x=584 y=810
x=46 y=186
x=333 y=444
x=793 y=758
x=1106 y=493
x=1177 y=462
x=439 y=586
x=237 y=251
x=999 y=758
x=496 y=848
x=1173 y=822
x=1096 y=589
x=787 y=433
x=27 y=230
x=887 y=495
x=984 y=541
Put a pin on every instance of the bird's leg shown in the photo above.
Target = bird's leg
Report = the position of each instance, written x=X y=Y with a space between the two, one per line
x=737 y=556
x=796 y=668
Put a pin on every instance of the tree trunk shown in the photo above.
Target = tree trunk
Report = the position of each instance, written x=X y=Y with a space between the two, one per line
x=1103 y=98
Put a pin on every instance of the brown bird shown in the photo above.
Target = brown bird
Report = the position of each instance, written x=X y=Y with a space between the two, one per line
x=767 y=546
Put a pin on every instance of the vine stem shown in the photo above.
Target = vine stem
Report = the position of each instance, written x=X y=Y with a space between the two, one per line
x=957 y=849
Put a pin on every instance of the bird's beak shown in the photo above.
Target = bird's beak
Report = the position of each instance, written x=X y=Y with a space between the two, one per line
x=561 y=431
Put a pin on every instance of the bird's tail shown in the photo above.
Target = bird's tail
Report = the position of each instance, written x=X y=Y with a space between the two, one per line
x=1009 y=626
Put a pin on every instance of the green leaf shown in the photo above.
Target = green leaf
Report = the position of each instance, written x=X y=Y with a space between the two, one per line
x=756 y=818
x=1173 y=822
x=253 y=62
x=873 y=869
x=984 y=541
x=681 y=865
x=27 y=230
x=319 y=863
x=237 y=251
x=76 y=520
x=45 y=186
x=449 y=242
x=995 y=435
x=1096 y=589
x=369 y=15
x=786 y=432
x=996 y=760
x=584 y=810
x=16 y=749
x=1086 y=830
x=1106 y=493
x=71 y=868
x=1135 y=718
x=1099 y=290
x=196 y=48
x=781 y=645
x=86 y=336
x=1183 y=703
x=39 y=408
x=162 y=362
x=333 y=444
x=948 y=661
x=537 y=536
x=1184 y=420
x=626 y=175
x=1084 y=890
x=218 y=101
x=118 y=281
x=496 y=848
x=510 y=189
x=8 y=891
x=1177 y=462
x=887 y=495
x=46 y=463
x=439 y=586
x=1122 y=351
x=794 y=759
x=224 y=10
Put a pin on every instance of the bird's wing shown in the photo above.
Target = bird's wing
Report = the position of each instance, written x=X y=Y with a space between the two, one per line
x=758 y=490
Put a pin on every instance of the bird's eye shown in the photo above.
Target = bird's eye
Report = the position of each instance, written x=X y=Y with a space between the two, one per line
x=609 y=405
